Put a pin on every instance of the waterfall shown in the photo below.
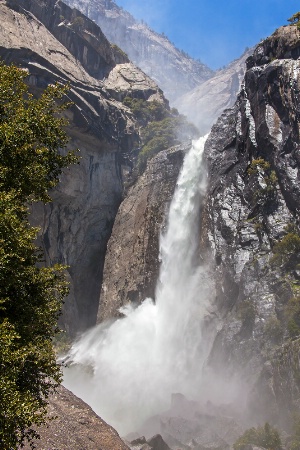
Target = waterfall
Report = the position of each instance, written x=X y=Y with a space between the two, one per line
x=128 y=369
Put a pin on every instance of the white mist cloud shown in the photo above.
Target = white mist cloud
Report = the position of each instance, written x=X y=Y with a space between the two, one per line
x=153 y=12
x=127 y=370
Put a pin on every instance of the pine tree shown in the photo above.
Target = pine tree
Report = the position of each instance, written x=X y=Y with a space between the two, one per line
x=32 y=139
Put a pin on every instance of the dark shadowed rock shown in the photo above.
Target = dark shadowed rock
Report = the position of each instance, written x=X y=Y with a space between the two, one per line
x=139 y=441
x=157 y=443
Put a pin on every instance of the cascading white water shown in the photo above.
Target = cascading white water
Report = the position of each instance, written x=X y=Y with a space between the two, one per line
x=128 y=369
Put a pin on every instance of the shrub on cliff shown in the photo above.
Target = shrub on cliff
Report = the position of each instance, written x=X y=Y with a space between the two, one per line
x=146 y=111
x=266 y=437
x=292 y=315
x=31 y=136
x=294 y=443
x=295 y=19
x=286 y=252
x=157 y=136
x=161 y=128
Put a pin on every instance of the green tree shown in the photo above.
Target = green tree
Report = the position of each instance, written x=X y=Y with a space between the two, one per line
x=32 y=156
x=266 y=437
x=160 y=135
x=160 y=128
x=295 y=19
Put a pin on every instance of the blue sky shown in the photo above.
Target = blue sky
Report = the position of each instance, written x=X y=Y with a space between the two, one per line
x=216 y=31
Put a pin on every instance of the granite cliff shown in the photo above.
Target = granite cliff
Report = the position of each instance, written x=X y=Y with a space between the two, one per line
x=185 y=81
x=131 y=262
x=206 y=102
x=55 y=43
x=174 y=71
x=252 y=228
x=249 y=234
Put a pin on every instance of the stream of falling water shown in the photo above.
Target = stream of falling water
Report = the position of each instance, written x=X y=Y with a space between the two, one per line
x=128 y=369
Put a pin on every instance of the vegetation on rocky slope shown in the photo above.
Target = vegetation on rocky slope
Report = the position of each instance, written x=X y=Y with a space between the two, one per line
x=266 y=437
x=295 y=19
x=161 y=128
x=31 y=137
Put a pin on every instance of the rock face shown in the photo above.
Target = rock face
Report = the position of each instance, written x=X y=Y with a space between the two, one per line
x=76 y=426
x=175 y=72
x=252 y=205
x=253 y=163
x=131 y=263
x=204 y=104
x=55 y=43
x=198 y=92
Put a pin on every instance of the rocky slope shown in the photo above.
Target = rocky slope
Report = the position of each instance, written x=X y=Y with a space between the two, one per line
x=55 y=43
x=252 y=228
x=174 y=71
x=75 y=426
x=131 y=262
x=204 y=104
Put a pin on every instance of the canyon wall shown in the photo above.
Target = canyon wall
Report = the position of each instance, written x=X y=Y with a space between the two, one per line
x=206 y=102
x=249 y=234
x=55 y=43
x=195 y=90
x=252 y=226
x=173 y=70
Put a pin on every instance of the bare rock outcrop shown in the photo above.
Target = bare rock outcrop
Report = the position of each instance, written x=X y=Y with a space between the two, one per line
x=55 y=43
x=75 y=426
x=131 y=263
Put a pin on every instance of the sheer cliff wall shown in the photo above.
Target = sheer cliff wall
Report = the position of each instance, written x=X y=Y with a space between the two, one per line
x=55 y=43
x=252 y=206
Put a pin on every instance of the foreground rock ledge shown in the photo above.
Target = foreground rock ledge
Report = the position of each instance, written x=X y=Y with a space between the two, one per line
x=77 y=427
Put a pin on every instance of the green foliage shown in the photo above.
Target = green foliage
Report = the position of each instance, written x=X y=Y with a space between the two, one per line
x=78 y=23
x=119 y=52
x=31 y=136
x=294 y=444
x=267 y=194
x=273 y=330
x=62 y=342
x=266 y=437
x=295 y=19
x=258 y=165
x=292 y=314
x=286 y=252
x=161 y=127
x=146 y=111
x=161 y=135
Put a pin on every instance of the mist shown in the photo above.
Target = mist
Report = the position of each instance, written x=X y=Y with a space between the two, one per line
x=128 y=369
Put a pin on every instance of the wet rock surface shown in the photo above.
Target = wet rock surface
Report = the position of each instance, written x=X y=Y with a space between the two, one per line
x=253 y=163
x=189 y=425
